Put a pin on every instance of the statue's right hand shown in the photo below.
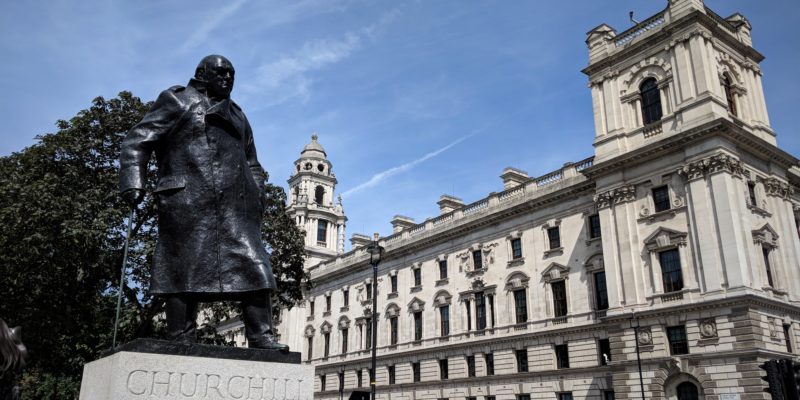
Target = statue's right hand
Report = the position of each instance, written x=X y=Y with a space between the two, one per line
x=133 y=196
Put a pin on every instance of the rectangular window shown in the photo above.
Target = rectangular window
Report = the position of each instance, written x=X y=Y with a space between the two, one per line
x=562 y=356
x=554 y=237
x=523 y=397
x=787 y=335
x=415 y=371
x=311 y=308
x=594 y=226
x=490 y=297
x=322 y=383
x=604 y=347
x=489 y=363
x=661 y=199
x=443 y=369
x=480 y=311
x=327 y=302
x=327 y=336
x=322 y=231
x=751 y=191
x=608 y=395
x=417 y=276
x=767 y=265
x=469 y=315
x=521 y=306
x=516 y=248
x=671 y=273
x=393 y=330
x=559 y=298
x=489 y=398
x=368 y=330
x=310 y=347
x=346 y=297
x=443 y=269
x=341 y=381
x=522 y=360
x=477 y=259
x=368 y=289
x=676 y=335
x=565 y=396
x=344 y=340
x=444 y=314
x=600 y=290
x=470 y=366
x=393 y=281
x=359 y=380
x=418 y=325
x=390 y=371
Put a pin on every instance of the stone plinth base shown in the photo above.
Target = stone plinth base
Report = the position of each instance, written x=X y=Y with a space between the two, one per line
x=155 y=369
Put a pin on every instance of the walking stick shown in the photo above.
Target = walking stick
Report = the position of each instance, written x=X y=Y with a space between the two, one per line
x=122 y=276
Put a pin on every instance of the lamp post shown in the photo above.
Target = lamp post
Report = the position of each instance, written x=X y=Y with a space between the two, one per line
x=375 y=253
x=638 y=357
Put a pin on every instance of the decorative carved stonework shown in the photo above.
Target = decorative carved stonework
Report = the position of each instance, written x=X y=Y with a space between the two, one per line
x=716 y=163
x=615 y=196
x=773 y=326
x=663 y=238
x=645 y=336
x=708 y=328
x=766 y=235
x=774 y=187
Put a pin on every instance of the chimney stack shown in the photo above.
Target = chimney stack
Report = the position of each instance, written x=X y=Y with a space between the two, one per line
x=449 y=203
x=513 y=177
x=401 y=222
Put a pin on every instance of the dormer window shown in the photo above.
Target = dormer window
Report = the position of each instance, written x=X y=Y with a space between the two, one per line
x=651 y=101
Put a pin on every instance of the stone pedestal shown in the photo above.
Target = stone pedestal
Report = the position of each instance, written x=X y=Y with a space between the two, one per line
x=154 y=369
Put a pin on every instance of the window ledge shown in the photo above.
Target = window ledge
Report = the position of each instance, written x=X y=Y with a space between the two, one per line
x=550 y=252
x=310 y=318
x=661 y=215
x=417 y=342
x=590 y=241
x=475 y=272
x=392 y=295
x=366 y=302
x=344 y=309
x=516 y=261
x=326 y=313
x=443 y=281
x=758 y=210
x=774 y=290
x=415 y=289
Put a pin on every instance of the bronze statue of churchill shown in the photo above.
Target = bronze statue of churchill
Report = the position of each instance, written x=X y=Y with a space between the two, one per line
x=209 y=197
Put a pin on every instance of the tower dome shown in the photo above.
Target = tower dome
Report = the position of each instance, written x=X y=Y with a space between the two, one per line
x=313 y=149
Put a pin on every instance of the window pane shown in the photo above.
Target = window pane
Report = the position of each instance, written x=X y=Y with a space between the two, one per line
x=605 y=351
x=417 y=277
x=559 y=298
x=671 y=273
x=651 y=101
x=521 y=305
x=393 y=280
x=470 y=365
x=565 y=396
x=391 y=374
x=322 y=231
x=594 y=226
x=767 y=265
x=480 y=310
x=600 y=291
x=554 y=237
x=661 y=198
x=444 y=313
x=443 y=369
x=489 y=364
x=477 y=259
x=393 y=330
x=415 y=371
x=344 y=340
x=562 y=356
x=516 y=248
x=676 y=336
x=418 y=326
x=522 y=360
x=346 y=297
x=368 y=330
x=443 y=269
x=726 y=83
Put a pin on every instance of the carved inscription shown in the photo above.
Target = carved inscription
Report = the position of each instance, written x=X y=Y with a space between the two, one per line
x=154 y=384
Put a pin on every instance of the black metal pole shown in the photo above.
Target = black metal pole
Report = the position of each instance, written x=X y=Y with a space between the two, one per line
x=374 y=335
x=638 y=357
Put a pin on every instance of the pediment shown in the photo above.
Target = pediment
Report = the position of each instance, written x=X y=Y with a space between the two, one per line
x=392 y=310
x=554 y=272
x=442 y=298
x=309 y=331
x=416 y=305
x=766 y=235
x=517 y=280
x=344 y=322
x=663 y=238
x=325 y=327
x=595 y=263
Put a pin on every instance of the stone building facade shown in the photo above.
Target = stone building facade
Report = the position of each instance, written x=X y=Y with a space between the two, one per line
x=677 y=242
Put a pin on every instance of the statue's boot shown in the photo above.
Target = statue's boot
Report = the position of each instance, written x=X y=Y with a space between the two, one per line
x=258 y=325
x=181 y=319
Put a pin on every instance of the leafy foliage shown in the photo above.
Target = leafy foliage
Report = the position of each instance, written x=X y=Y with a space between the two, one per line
x=62 y=231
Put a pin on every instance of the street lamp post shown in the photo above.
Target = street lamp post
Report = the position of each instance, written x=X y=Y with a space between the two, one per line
x=375 y=253
x=638 y=357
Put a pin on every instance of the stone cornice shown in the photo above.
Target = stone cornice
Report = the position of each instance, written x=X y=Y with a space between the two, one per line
x=777 y=188
x=662 y=38
x=719 y=127
x=710 y=165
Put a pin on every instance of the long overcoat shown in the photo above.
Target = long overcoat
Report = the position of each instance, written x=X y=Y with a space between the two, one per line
x=208 y=195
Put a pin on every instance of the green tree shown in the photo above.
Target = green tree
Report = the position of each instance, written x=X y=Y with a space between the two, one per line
x=62 y=230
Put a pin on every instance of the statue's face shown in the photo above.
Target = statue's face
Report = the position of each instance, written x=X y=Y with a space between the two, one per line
x=218 y=75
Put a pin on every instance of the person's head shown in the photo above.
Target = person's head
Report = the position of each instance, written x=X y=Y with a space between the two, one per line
x=12 y=351
x=217 y=73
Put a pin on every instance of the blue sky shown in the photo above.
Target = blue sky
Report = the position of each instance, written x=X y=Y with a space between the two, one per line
x=411 y=100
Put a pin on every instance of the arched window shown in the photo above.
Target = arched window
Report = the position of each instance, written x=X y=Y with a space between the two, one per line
x=687 y=391
x=651 y=101
x=726 y=84
x=319 y=194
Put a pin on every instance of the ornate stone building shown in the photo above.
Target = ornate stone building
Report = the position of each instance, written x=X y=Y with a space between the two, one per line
x=677 y=242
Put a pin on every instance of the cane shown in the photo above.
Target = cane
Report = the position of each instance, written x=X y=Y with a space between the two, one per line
x=122 y=276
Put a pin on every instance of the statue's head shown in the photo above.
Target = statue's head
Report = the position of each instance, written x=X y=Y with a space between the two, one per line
x=217 y=73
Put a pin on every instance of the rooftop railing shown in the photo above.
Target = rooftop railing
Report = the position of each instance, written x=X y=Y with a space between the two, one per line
x=639 y=29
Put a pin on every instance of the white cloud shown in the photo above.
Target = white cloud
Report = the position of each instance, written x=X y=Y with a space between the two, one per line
x=289 y=78
x=214 y=20
x=386 y=174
